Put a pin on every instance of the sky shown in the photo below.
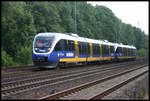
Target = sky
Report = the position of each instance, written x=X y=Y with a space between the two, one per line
x=135 y=13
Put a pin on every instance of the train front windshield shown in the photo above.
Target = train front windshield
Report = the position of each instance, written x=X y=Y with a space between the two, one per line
x=43 y=44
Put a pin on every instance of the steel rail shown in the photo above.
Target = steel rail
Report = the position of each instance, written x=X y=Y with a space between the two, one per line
x=30 y=74
x=15 y=67
x=115 y=87
x=83 y=86
x=25 y=86
x=48 y=76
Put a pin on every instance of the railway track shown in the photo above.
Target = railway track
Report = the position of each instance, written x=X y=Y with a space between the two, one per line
x=82 y=94
x=9 y=89
x=17 y=86
x=34 y=73
x=16 y=68
x=48 y=75
x=26 y=70
x=16 y=71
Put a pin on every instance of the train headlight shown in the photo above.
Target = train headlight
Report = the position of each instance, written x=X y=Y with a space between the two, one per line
x=49 y=49
x=36 y=49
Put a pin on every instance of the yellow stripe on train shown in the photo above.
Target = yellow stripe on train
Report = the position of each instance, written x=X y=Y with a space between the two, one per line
x=85 y=59
x=92 y=58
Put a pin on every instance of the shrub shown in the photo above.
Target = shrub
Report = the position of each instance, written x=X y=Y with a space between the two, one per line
x=142 y=53
x=7 y=60
x=24 y=56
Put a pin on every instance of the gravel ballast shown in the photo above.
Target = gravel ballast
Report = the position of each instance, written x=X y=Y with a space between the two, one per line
x=96 y=89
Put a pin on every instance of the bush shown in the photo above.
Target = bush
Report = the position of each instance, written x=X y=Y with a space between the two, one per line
x=7 y=60
x=24 y=56
x=142 y=53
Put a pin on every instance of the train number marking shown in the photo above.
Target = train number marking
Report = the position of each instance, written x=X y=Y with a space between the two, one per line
x=69 y=54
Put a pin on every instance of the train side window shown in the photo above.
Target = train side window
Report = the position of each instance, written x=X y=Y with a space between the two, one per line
x=111 y=49
x=105 y=50
x=87 y=48
x=124 y=51
x=131 y=52
x=66 y=45
x=61 y=45
x=134 y=52
x=128 y=51
x=58 y=46
x=83 y=51
x=119 y=50
x=84 y=48
x=96 y=49
x=93 y=48
x=62 y=42
x=71 y=46
x=79 y=45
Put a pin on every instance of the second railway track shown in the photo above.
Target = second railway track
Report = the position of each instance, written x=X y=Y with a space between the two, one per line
x=33 y=72
x=37 y=84
x=17 y=86
x=85 y=92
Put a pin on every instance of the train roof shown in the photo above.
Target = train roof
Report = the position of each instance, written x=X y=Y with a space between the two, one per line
x=125 y=46
x=72 y=36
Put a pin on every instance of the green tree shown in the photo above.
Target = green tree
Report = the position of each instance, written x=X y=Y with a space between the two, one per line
x=24 y=55
x=17 y=27
x=21 y=21
x=142 y=53
x=6 y=59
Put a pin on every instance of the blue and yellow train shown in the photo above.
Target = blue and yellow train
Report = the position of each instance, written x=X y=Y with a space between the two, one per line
x=51 y=49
